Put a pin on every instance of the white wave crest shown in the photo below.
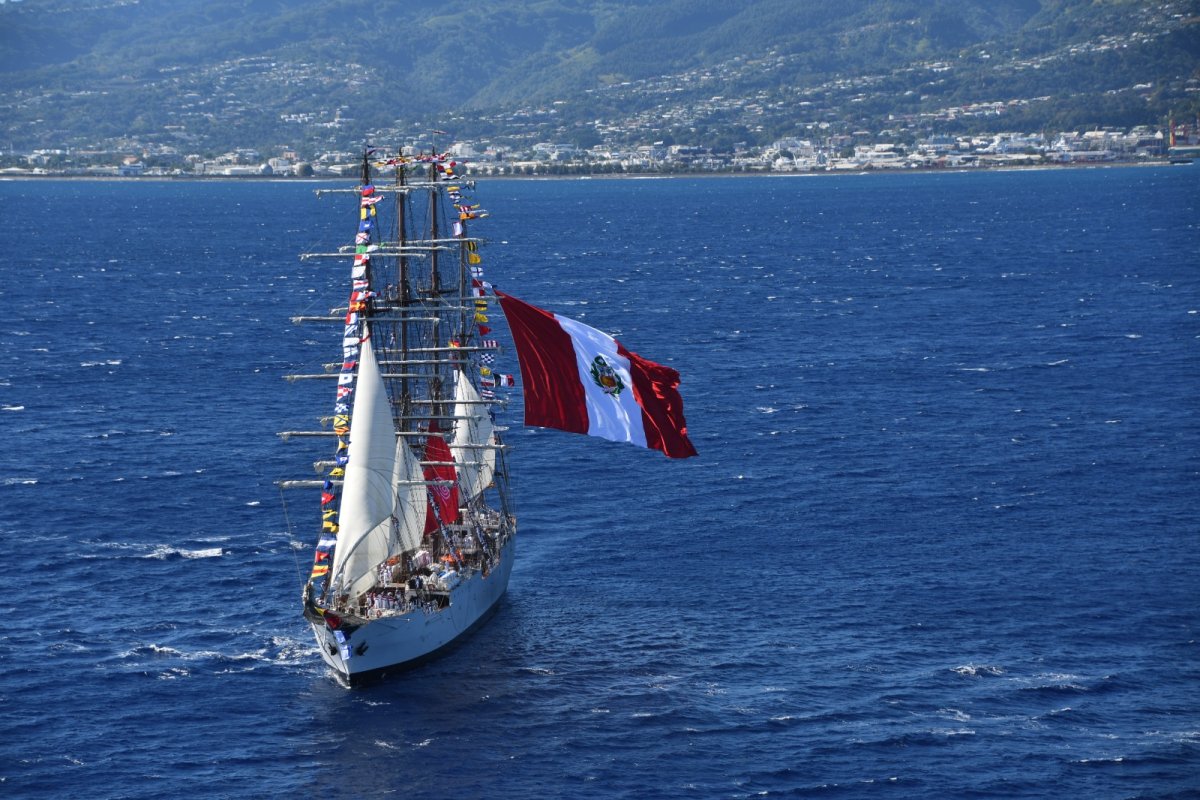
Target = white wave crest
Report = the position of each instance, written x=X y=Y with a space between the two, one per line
x=978 y=670
x=163 y=552
x=152 y=649
x=955 y=714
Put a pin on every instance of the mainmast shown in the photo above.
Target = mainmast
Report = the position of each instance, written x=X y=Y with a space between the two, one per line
x=435 y=290
x=404 y=291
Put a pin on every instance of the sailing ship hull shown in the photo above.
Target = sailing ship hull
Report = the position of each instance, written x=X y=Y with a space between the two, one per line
x=395 y=643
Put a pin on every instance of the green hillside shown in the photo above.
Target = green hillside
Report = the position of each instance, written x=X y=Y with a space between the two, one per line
x=217 y=73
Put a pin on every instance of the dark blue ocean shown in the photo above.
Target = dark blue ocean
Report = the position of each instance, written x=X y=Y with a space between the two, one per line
x=941 y=540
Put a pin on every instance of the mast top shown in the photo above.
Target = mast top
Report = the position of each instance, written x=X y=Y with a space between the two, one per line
x=366 y=166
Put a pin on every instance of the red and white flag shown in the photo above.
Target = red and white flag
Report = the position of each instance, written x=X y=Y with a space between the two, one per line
x=582 y=380
x=443 y=492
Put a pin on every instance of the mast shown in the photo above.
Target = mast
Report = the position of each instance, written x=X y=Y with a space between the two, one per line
x=365 y=178
x=463 y=283
x=435 y=286
x=403 y=289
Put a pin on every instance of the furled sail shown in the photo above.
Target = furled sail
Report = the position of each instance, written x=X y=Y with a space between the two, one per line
x=473 y=445
x=376 y=463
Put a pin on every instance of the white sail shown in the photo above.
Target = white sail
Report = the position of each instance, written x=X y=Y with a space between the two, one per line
x=473 y=444
x=368 y=493
x=412 y=503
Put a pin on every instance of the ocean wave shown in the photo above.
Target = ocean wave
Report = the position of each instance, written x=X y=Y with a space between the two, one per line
x=173 y=673
x=954 y=714
x=1055 y=712
x=978 y=670
x=162 y=552
x=1053 y=683
x=381 y=744
x=277 y=651
x=151 y=650
x=112 y=433
x=157 y=552
x=18 y=481
x=285 y=651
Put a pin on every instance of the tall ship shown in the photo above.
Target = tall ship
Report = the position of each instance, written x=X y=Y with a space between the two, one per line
x=417 y=532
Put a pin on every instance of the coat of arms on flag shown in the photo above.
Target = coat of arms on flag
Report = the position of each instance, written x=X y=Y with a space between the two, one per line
x=606 y=377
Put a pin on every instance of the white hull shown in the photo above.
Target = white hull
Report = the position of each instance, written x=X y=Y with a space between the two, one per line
x=394 y=643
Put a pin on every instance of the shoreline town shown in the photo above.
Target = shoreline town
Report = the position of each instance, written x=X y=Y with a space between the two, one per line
x=834 y=154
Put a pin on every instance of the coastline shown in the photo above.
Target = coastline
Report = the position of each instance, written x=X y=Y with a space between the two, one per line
x=32 y=176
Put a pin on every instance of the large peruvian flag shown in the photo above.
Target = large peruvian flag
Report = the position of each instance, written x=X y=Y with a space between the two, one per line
x=579 y=379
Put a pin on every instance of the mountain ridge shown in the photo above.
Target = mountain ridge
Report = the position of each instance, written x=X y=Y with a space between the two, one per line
x=265 y=72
